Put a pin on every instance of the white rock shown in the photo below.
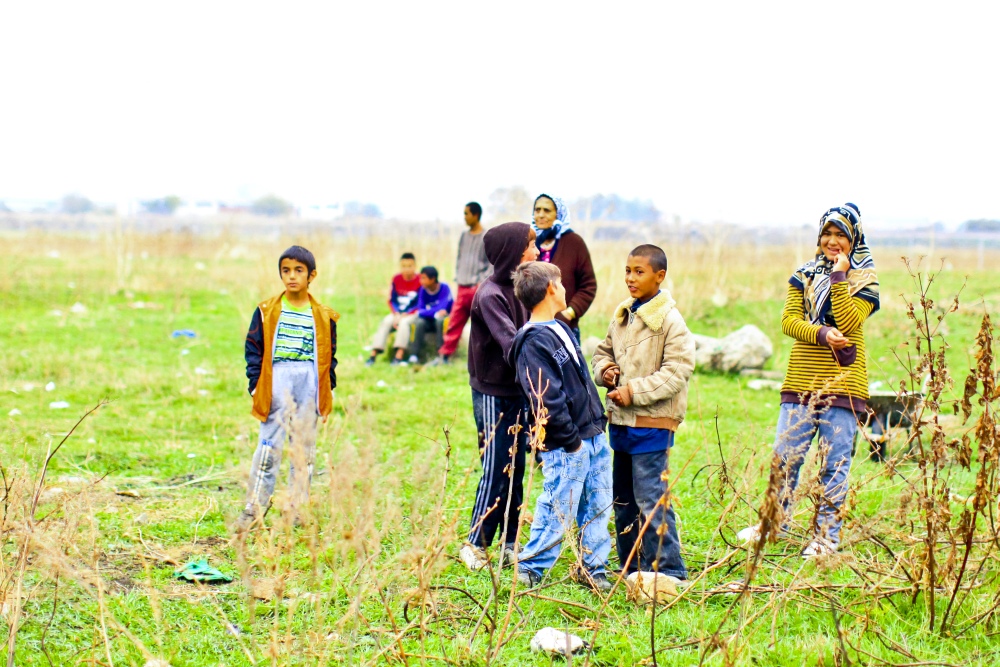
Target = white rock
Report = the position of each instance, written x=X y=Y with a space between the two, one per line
x=58 y=405
x=644 y=587
x=78 y=308
x=13 y=413
x=719 y=298
x=381 y=384
x=747 y=347
x=192 y=455
x=760 y=385
x=50 y=386
x=550 y=640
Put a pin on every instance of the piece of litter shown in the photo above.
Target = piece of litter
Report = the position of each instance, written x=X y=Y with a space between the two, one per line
x=130 y=493
x=200 y=266
x=91 y=441
x=56 y=313
x=13 y=413
x=78 y=308
x=202 y=371
x=27 y=386
x=240 y=437
x=50 y=386
x=54 y=254
x=156 y=662
x=198 y=570
x=192 y=455
x=381 y=384
x=185 y=352
x=555 y=641
x=183 y=333
x=233 y=630
x=58 y=405
x=71 y=285
x=203 y=392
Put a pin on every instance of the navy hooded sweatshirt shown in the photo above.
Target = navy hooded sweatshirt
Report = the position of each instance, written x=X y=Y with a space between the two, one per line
x=544 y=362
x=497 y=314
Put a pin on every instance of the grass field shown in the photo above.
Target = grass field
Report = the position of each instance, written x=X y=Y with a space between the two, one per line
x=154 y=477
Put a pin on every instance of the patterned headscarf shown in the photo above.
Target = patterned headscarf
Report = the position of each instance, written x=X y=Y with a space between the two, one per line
x=558 y=228
x=813 y=277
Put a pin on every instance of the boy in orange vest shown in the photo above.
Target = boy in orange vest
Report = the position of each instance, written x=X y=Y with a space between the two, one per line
x=291 y=364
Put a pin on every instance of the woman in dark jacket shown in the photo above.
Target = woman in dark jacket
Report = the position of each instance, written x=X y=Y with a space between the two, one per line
x=560 y=245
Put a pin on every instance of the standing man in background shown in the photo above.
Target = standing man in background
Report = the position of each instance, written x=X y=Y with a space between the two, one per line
x=471 y=269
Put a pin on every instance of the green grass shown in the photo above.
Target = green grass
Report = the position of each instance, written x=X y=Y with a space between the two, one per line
x=177 y=432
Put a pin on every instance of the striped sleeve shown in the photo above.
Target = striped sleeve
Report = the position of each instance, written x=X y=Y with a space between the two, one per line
x=848 y=312
x=793 y=318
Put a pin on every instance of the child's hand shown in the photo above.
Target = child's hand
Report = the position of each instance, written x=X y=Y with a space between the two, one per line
x=836 y=340
x=616 y=398
x=610 y=377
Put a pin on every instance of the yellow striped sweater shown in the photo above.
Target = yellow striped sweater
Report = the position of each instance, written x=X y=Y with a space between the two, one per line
x=812 y=367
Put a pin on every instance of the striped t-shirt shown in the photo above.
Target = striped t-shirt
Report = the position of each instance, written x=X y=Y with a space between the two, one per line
x=295 y=339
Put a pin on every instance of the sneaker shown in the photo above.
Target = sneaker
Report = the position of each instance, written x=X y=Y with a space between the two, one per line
x=439 y=361
x=397 y=362
x=596 y=582
x=370 y=361
x=243 y=522
x=507 y=556
x=528 y=579
x=749 y=535
x=414 y=359
x=473 y=557
x=819 y=547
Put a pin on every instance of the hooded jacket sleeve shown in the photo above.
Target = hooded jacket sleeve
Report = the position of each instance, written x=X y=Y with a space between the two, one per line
x=539 y=373
x=498 y=318
x=333 y=353
x=675 y=370
x=253 y=349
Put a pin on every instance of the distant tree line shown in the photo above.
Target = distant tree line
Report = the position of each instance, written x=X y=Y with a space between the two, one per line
x=515 y=203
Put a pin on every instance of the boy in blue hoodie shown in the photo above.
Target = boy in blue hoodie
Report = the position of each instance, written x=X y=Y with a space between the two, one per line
x=574 y=452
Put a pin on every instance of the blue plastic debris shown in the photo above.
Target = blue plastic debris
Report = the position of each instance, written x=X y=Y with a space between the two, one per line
x=183 y=333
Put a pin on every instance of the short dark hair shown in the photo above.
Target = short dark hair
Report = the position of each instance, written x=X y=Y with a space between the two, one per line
x=408 y=255
x=531 y=282
x=475 y=208
x=430 y=271
x=654 y=255
x=299 y=254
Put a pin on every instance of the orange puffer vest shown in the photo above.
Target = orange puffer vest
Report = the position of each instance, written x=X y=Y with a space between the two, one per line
x=270 y=313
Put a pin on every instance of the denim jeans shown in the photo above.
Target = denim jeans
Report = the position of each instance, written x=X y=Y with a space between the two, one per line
x=292 y=417
x=797 y=426
x=577 y=486
x=638 y=487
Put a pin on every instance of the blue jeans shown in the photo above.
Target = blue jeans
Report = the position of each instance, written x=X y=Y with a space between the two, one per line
x=638 y=486
x=577 y=486
x=797 y=426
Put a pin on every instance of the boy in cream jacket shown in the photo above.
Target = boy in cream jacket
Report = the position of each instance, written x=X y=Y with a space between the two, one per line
x=645 y=362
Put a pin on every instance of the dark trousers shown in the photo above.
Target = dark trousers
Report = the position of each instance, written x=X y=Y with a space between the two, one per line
x=498 y=449
x=637 y=488
x=423 y=325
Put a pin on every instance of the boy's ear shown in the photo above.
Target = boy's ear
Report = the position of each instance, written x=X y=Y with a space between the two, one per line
x=550 y=288
x=312 y=275
x=661 y=275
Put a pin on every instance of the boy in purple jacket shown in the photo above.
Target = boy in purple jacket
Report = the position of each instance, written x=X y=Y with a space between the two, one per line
x=434 y=302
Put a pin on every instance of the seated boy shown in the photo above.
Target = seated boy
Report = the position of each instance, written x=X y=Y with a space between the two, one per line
x=291 y=360
x=402 y=302
x=645 y=362
x=576 y=461
x=434 y=302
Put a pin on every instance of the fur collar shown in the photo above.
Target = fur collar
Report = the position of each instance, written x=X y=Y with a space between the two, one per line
x=652 y=313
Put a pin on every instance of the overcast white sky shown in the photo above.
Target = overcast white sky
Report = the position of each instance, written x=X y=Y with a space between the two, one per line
x=753 y=112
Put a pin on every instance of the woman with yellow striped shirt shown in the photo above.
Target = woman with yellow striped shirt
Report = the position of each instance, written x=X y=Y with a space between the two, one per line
x=826 y=384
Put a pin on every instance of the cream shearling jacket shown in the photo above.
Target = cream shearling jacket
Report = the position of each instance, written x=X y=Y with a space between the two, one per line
x=654 y=350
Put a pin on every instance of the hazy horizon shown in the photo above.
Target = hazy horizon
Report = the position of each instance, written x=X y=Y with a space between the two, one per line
x=756 y=115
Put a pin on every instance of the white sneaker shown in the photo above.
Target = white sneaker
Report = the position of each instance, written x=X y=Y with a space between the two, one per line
x=819 y=547
x=474 y=559
x=414 y=359
x=749 y=535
